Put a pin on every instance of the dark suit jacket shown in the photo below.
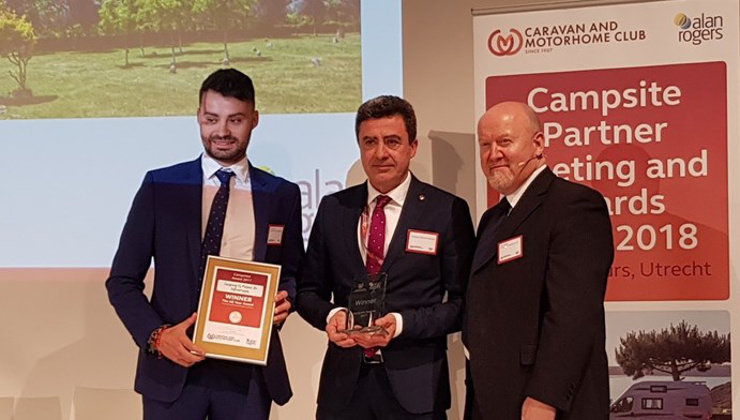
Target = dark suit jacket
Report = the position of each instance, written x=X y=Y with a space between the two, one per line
x=415 y=361
x=165 y=224
x=534 y=326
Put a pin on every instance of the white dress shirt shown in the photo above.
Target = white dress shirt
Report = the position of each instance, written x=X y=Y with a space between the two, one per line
x=514 y=197
x=392 y=215
x=239 y=226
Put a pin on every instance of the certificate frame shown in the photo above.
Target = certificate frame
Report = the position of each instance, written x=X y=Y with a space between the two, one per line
x=236 y=309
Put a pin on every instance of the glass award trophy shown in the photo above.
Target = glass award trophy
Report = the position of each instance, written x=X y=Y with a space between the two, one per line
x=366 y=303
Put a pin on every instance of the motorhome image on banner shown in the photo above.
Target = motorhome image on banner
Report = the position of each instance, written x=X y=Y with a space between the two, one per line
x=660 y=399
x=669 y=364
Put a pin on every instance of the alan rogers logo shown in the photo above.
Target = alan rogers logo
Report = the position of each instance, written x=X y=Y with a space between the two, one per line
x=509 y=44
x=699 y=29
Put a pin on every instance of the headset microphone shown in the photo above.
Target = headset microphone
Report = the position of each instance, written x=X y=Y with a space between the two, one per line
x=538 y=157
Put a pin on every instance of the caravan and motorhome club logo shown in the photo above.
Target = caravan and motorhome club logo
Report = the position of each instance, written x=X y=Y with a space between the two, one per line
x=500 y=44
x=543 y=39
x=698 y=29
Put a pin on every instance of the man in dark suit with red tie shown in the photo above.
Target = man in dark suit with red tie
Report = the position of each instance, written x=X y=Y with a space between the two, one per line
x=422 y=239
x=218 y=204
x=534 y=318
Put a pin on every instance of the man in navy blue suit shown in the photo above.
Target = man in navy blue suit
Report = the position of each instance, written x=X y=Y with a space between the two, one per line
x=422 y=239
x=167 y=223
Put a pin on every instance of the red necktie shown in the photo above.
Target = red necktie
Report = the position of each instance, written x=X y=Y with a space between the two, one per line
x=375 y=246
x=376 y=239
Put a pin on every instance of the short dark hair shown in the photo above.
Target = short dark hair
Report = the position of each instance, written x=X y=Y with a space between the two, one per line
x=387 y=106
x=230 y=83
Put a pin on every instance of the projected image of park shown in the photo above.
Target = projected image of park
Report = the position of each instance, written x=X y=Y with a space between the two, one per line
x=136 y=58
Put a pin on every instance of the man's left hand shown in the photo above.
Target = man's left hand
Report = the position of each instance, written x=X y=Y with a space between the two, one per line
x=536 y=410
x=366 y=340
x=282 y=307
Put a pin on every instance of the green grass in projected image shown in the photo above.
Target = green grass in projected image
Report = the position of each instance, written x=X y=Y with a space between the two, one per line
x=292 y=75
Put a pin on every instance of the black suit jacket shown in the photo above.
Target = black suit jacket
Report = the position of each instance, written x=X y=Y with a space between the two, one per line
x=534 y=326
x=416 y=360
x=165 y=224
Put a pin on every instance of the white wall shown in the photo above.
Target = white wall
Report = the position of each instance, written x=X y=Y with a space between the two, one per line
x=60 y=337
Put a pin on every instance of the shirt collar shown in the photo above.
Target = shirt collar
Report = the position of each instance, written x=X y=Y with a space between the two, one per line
x=397 y=195
x=514 y=197
x=211 y=166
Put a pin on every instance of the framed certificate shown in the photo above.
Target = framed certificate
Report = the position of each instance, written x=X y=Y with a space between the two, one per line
x=237 y=302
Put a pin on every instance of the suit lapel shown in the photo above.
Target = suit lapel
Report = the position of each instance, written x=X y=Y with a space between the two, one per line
x=530 y=201
x=412 y=209
x=193 y=209
x=261 y=204
x=350 y=220
x=486 y=245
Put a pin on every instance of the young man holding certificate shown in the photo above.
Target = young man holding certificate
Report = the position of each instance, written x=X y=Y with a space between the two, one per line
x=392 y=255
x=217 y=204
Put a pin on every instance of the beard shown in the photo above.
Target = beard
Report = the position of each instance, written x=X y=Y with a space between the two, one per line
x=232 y=155
x=501 y=180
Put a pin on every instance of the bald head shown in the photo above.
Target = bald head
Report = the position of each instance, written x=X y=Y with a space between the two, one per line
x=511 y=145
x=515 y=112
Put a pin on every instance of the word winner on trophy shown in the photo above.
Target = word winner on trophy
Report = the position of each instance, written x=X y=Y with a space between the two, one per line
x=366 y=303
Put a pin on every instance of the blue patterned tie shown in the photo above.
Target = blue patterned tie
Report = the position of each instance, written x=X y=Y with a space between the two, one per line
x=215 y=228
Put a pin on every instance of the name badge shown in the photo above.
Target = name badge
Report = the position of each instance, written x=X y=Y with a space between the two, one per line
x=510 y=249
x=275 y=234
x=422 y=242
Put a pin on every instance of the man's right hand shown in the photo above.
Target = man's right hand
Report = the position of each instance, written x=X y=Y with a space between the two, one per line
x=175 y=345
x=339 y=322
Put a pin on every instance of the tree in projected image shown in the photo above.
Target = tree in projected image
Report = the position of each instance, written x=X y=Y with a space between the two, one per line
x=121 y=18
x=321 y=14
x=225 y=16
x=50 y=18
x=17 y=39
x=168 y=17
x=673 y=350
x=343 y=10
x=271 y=13
x=316 y=9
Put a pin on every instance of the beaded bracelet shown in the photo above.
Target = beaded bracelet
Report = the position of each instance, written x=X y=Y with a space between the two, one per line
x=154 y=339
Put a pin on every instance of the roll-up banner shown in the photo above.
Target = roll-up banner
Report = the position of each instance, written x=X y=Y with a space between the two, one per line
x=640 y=102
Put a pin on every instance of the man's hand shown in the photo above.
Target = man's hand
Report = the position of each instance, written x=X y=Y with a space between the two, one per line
x=535 y=410
x=175 y=345
x=378 y=339
x=282 y=307
x=339 y=322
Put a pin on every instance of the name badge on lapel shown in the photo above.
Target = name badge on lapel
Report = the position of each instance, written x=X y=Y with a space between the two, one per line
x=275 y=234
x=422 y=242
x=510 y=249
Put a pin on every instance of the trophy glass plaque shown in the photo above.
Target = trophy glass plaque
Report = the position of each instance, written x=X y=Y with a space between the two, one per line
x=366 y=303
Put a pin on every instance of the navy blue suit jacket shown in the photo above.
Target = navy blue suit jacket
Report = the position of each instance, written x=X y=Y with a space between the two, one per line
x=165 y=224
x=416 y=360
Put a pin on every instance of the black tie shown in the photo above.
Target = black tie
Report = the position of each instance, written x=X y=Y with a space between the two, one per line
x=487 y=240
x=215 y=228
x=502 y=210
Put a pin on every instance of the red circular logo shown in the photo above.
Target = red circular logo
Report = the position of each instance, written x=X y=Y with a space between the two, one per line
x=501 y=45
